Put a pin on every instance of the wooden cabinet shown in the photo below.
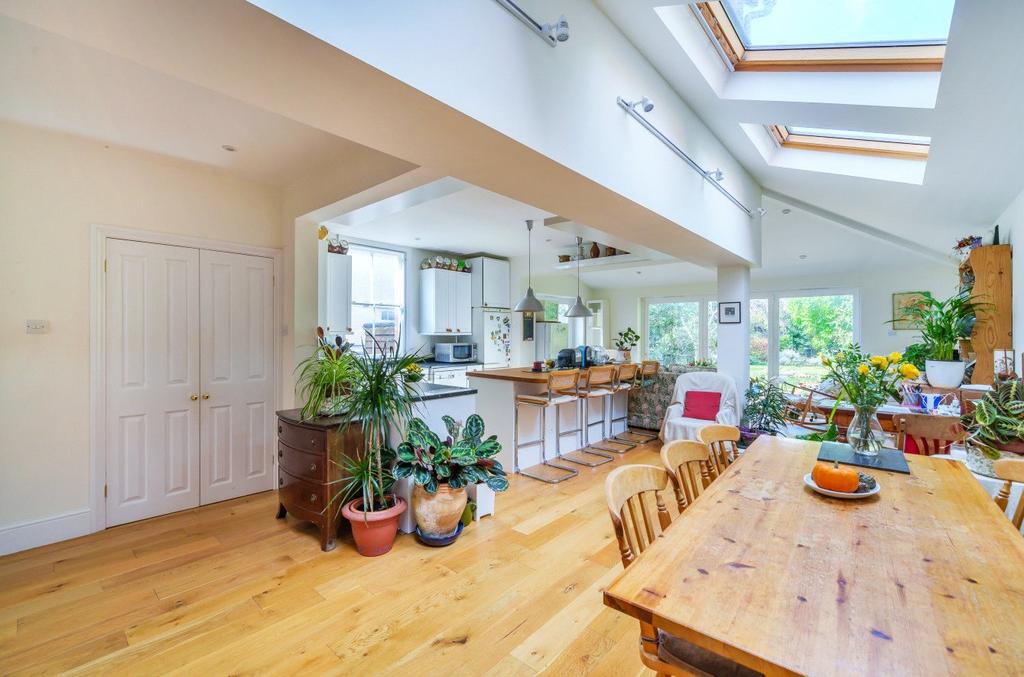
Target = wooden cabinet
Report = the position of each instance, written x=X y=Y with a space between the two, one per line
x=490 y=283
x=988 y=272
x=445 y=305
x=335 y=297
x=310 y=458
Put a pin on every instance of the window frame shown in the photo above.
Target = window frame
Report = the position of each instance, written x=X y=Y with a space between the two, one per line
x=835 y=144
x=718 y=25
x=402 y=309
x=703 y=314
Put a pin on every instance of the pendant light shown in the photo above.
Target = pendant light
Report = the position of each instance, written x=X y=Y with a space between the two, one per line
x=578 y=309
x=529 y=303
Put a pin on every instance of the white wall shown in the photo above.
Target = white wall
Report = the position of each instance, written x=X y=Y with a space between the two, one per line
x=562 y=284
x=52 y=188
x=875 y=288
x=1011 y=228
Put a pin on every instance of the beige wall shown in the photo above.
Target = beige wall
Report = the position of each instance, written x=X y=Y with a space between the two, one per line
x=53 y=187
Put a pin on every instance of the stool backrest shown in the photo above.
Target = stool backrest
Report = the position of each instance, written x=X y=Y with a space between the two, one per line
x=598 y=376
x=627 y=372
x=649 y=368
x=562 y=380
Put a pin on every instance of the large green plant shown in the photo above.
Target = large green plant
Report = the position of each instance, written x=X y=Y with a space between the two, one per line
x=766 y=405
x=380 y=398
x=997 y=418
x=944 y=323
x=463 y=458
x=323 y=376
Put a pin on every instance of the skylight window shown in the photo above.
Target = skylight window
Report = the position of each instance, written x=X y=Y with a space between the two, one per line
x=806 y=24
x=904 y=146
x=829 y=35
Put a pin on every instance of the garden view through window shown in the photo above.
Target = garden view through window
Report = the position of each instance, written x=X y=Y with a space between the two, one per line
x=673 y=331
x=808 y=327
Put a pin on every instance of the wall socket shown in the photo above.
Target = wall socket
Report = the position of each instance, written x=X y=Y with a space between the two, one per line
x=37 y=326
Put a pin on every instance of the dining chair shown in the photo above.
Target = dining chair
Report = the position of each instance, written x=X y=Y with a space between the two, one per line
x=689 y=461
x=722 y=441
x=629 y=491
x=927 y=434
x=1011 y=470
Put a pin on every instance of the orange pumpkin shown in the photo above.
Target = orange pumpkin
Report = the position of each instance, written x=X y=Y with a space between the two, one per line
x=835 y=477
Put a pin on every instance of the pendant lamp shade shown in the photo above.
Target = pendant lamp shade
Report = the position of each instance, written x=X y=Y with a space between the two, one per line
x=529 y=303
x=578 y=309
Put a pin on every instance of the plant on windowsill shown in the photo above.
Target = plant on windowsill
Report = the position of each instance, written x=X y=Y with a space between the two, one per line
x=995 y=426
x=441 y=471
x=943 y=325
x=380 y=398
x=625 y=343
x=764 y=412
x=324 y=377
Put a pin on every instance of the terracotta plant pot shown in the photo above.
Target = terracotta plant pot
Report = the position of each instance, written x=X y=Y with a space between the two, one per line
x=438 y=514
x=374 y=532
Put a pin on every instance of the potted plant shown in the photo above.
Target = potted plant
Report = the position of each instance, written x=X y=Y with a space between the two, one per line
x=625 y=343
x=380 y=398
x=441 y=471
x=867 y=382
x=995 y=426
x=764 y=412
x=324 y=377
x=943 y=325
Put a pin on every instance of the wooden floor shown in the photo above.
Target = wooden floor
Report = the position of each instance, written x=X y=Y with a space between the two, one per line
x=228 y=589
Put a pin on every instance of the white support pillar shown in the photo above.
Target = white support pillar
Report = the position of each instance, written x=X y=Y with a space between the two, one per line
x=734 y=339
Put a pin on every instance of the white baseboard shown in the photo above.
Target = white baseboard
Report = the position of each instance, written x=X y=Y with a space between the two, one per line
x=45 y=531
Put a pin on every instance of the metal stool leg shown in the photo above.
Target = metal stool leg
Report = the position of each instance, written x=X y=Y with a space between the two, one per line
x=612 y=444
x=634 y=435
x=569 y=472
x=587 y=449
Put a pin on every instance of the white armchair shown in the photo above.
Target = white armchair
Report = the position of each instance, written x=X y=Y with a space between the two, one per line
x=678 y=427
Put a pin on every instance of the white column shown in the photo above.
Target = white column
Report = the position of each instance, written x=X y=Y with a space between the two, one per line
x=734 y=339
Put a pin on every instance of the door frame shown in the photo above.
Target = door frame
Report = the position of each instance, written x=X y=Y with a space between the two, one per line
x=99 y=234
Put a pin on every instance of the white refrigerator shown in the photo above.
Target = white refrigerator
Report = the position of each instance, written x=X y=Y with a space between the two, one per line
x=492 y=333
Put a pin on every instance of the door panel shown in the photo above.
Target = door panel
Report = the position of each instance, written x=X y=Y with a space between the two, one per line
x=236 y=346
x=152 y=362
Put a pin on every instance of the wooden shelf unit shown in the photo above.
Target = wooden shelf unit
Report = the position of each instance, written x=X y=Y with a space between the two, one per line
x=993 y=286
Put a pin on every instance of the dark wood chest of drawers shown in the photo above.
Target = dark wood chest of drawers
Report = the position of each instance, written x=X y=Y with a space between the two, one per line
x=310 y=457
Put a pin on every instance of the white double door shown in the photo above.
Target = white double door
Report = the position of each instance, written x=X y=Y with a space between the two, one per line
x=189 y=378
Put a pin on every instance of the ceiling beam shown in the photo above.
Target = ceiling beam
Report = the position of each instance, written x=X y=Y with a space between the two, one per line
x=860 y=227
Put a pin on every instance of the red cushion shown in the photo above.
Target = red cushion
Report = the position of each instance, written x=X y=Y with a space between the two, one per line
x=702 y=404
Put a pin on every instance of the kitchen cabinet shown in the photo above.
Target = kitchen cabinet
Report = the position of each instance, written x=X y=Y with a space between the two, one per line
x=490 y=283
x=445 y=304
x=335 y=306
x=449 y=376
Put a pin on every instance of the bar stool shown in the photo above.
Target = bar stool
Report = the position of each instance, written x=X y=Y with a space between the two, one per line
x=644 y=378
x=625 y=380
x=583 y=394
x=604 y=384
x=561 y=390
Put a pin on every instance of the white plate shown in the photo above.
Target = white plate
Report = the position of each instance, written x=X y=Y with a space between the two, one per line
x=840 y=494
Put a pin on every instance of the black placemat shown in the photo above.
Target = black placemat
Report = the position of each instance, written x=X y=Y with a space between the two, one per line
x=887 y=459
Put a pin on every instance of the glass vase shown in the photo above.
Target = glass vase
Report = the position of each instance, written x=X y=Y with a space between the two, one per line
x=865 y=433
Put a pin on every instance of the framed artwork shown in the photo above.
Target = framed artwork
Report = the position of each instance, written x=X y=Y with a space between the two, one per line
x=901 y=301
x=729 y=312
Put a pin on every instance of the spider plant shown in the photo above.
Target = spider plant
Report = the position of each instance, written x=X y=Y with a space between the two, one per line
x=323 y=377
x=944 y=323
x=380 y=398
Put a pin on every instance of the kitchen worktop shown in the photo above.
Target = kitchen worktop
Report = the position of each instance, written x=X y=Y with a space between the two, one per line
x=434 y=364
x=517 y=374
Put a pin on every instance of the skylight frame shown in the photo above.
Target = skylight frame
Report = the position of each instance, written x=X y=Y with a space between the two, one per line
x=843 y=144
x=719 y=26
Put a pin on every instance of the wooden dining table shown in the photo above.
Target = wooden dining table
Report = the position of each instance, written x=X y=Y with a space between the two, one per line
x=924 y=578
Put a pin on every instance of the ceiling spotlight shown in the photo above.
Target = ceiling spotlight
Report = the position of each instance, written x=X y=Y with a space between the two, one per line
x=717 y=175
x=761 y=211
x=803 y=256
x=229 y=148
x=558 y=30
x=787 y=210
x=551 y=33
x=644 y=104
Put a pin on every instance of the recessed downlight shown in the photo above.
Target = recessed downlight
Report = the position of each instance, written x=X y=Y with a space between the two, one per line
x=787 y=210
x=229 y=148
x=803 y=256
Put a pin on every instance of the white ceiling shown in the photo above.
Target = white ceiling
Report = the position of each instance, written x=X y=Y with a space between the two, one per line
x=53 y=82
x=973 y=171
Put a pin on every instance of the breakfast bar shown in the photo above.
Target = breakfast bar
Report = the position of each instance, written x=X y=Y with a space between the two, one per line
x=496 y=393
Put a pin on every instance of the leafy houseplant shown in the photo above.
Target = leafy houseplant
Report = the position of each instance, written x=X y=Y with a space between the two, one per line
x=867 y=382
x=626 y=341
x=764 y=412
x=324 y=377
x=441 y=470
x=916 y=354
x=995 y=425
x=943 y=325
x=380 y=398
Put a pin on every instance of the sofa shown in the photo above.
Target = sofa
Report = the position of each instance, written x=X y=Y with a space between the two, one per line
x=647 y=405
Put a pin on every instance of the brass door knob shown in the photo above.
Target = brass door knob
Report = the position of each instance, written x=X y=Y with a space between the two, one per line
x=194 y=397
x=206 y=396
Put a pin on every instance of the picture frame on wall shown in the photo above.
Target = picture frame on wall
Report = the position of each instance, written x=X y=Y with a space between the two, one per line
x=901 y=301
x=729 y=312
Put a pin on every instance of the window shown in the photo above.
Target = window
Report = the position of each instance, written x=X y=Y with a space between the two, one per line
x=378 y=297
x=851 y=35
x=551 y=329
x=672 y=331
x=595 y=324
x=846 y=141
x=760 y=337
x=808 y=327
x=712 y=331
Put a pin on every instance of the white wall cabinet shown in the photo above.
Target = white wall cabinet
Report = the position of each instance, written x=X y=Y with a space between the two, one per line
x=490 y=283
x=445 y=305
x=335 y=307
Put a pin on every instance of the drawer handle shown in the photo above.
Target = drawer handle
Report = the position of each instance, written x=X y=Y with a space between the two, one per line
x=280 y=481
x=312 y=498
x=280 y=453
x=312 y=467
x=312 y=441
x=280 y=429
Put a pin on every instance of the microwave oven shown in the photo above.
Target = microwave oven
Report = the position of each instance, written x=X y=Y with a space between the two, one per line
x=455 y=352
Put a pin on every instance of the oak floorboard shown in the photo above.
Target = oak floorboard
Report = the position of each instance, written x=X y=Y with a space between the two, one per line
x=228 y=589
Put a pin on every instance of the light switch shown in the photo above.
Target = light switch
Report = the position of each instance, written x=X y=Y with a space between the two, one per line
x=37 y=326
